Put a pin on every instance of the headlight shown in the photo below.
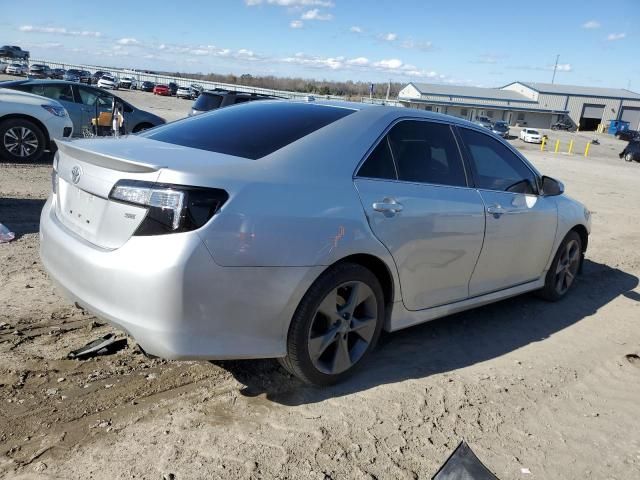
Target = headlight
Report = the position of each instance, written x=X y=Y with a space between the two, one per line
x=55 y=110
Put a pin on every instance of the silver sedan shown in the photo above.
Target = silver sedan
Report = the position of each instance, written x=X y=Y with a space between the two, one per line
x=300 y=230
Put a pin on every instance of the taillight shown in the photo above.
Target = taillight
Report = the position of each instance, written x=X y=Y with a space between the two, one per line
x=171 y=208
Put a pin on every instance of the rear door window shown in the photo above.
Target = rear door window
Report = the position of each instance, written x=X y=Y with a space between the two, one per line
x=252 y=130
x=426 y=152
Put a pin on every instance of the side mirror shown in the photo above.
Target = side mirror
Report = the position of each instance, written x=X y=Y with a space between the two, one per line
x=551 y=187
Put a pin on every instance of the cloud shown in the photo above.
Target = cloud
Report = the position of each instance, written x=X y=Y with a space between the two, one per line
x=414 y=45
x=562 y=67
x=355 y=29
x=59 y=31
x=565 y=67
x=591 y=24
x=389 y=37
x=612 y=37
x=314 y=14
x=128 y=41
x=296 y=24
x=291 y=3
x=358 y=61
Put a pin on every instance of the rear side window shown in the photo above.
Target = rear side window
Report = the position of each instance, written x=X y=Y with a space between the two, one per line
x=379 y=164
x=207 y=101
x=426 y=152
x=495 y=167
x=252 y=130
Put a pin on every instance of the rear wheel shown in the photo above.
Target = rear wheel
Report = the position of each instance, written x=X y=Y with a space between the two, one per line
x=628 y=157
x=21 y=140
x=564 y=268
x=336 y=325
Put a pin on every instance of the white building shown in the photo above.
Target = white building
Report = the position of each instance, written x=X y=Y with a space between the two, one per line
x=527 y=104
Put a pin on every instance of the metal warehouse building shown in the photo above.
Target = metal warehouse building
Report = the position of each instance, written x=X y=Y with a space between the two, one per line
x=527 y=103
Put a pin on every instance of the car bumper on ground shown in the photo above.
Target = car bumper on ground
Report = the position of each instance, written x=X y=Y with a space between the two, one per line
x=180 y=304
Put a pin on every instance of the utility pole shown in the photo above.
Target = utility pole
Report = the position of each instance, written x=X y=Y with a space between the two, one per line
x=555 y=67
x=388 y=89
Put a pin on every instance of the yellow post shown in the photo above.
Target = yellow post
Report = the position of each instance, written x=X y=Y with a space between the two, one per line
x=544 y=141
x=557 y=146
x=586 y=150
x=570 y=147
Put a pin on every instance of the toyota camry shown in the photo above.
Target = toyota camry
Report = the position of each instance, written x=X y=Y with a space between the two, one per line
x=300 y=230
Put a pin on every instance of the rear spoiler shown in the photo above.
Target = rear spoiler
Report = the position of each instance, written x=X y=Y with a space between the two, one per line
x=105 y=160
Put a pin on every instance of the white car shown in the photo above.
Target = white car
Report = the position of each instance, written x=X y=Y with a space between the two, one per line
x=128 y=82
x=184 y=92
x=108 y=81
x=16 y=69
x=41 y=120
x=530 y=135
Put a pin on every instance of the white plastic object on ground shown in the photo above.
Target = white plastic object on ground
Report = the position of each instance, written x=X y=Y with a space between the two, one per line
x=5 y=234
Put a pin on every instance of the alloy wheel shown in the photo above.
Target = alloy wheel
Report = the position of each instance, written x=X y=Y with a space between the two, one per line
x=628 y=157
x=343 y=327
x=20 y=141
x=567 y=267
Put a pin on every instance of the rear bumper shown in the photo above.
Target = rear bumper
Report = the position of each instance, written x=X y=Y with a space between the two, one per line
x=168 y=293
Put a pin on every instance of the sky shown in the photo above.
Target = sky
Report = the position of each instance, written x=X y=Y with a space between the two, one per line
x=460 y=42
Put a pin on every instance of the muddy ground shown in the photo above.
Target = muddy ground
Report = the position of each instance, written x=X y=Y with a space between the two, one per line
x=547 y=388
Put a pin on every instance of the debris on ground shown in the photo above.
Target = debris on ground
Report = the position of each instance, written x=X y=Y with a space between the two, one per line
x=106 y=345
x=463 y=463
x=6 y=235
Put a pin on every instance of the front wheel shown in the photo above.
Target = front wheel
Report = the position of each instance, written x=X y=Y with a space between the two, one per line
x=564 y=268
x=336 y=325
x=21 y=140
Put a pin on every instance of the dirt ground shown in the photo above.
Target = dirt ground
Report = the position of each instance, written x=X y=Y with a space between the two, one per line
x=547 y=388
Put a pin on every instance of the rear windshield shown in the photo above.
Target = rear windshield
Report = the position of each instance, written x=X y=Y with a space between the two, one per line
x=252 y=130
x=207 y=101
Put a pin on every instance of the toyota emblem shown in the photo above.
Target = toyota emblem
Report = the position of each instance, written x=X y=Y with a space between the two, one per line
x=76 y=173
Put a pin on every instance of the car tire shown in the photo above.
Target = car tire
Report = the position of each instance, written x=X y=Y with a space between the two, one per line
x=335 y=326
x=628 y=157
x=21 y=140
x=564 y=268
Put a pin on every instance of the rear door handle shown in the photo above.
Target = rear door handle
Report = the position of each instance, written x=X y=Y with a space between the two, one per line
x=388 y=206
x=495 y=210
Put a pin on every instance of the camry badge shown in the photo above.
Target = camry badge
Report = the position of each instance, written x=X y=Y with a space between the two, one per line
x=76 y=173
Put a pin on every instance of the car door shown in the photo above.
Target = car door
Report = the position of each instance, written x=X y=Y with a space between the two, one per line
x=413 y=188
x=63 y=93
x=93 y=101
x=520 y=224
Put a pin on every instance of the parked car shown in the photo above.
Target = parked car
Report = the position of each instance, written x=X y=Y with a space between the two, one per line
x=501 y=128
x=563 y=124
x=386 y=230
x=28 y=124
x=76 y=75
x=84 y=101
x=3 y=65
x=108 y=81
x=483 y=122
x=632 y=151
x=197 y=89
x=173 y=88
x=57 y=73
x=628 y=135
x=16 y=69
x=530 y=135
x=147 y=86
x=213 y=99
x=13 y=52
x=97 y=76
x=162 y=90
x=128 y=82
x=38 y=70
x=184 y=92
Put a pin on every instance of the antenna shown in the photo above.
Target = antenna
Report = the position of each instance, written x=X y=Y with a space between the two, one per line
x=555 y=67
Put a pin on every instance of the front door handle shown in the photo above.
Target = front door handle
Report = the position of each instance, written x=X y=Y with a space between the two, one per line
x=496 y=210
x=388 y=206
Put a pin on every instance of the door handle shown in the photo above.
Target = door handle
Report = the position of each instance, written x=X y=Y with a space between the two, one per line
x=388 y=206
x=496 y=210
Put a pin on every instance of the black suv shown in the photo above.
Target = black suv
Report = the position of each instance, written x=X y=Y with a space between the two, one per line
x=632 y=151
x=13 y=51
x=564 y=124
x=628 y=135
x=218 y=98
